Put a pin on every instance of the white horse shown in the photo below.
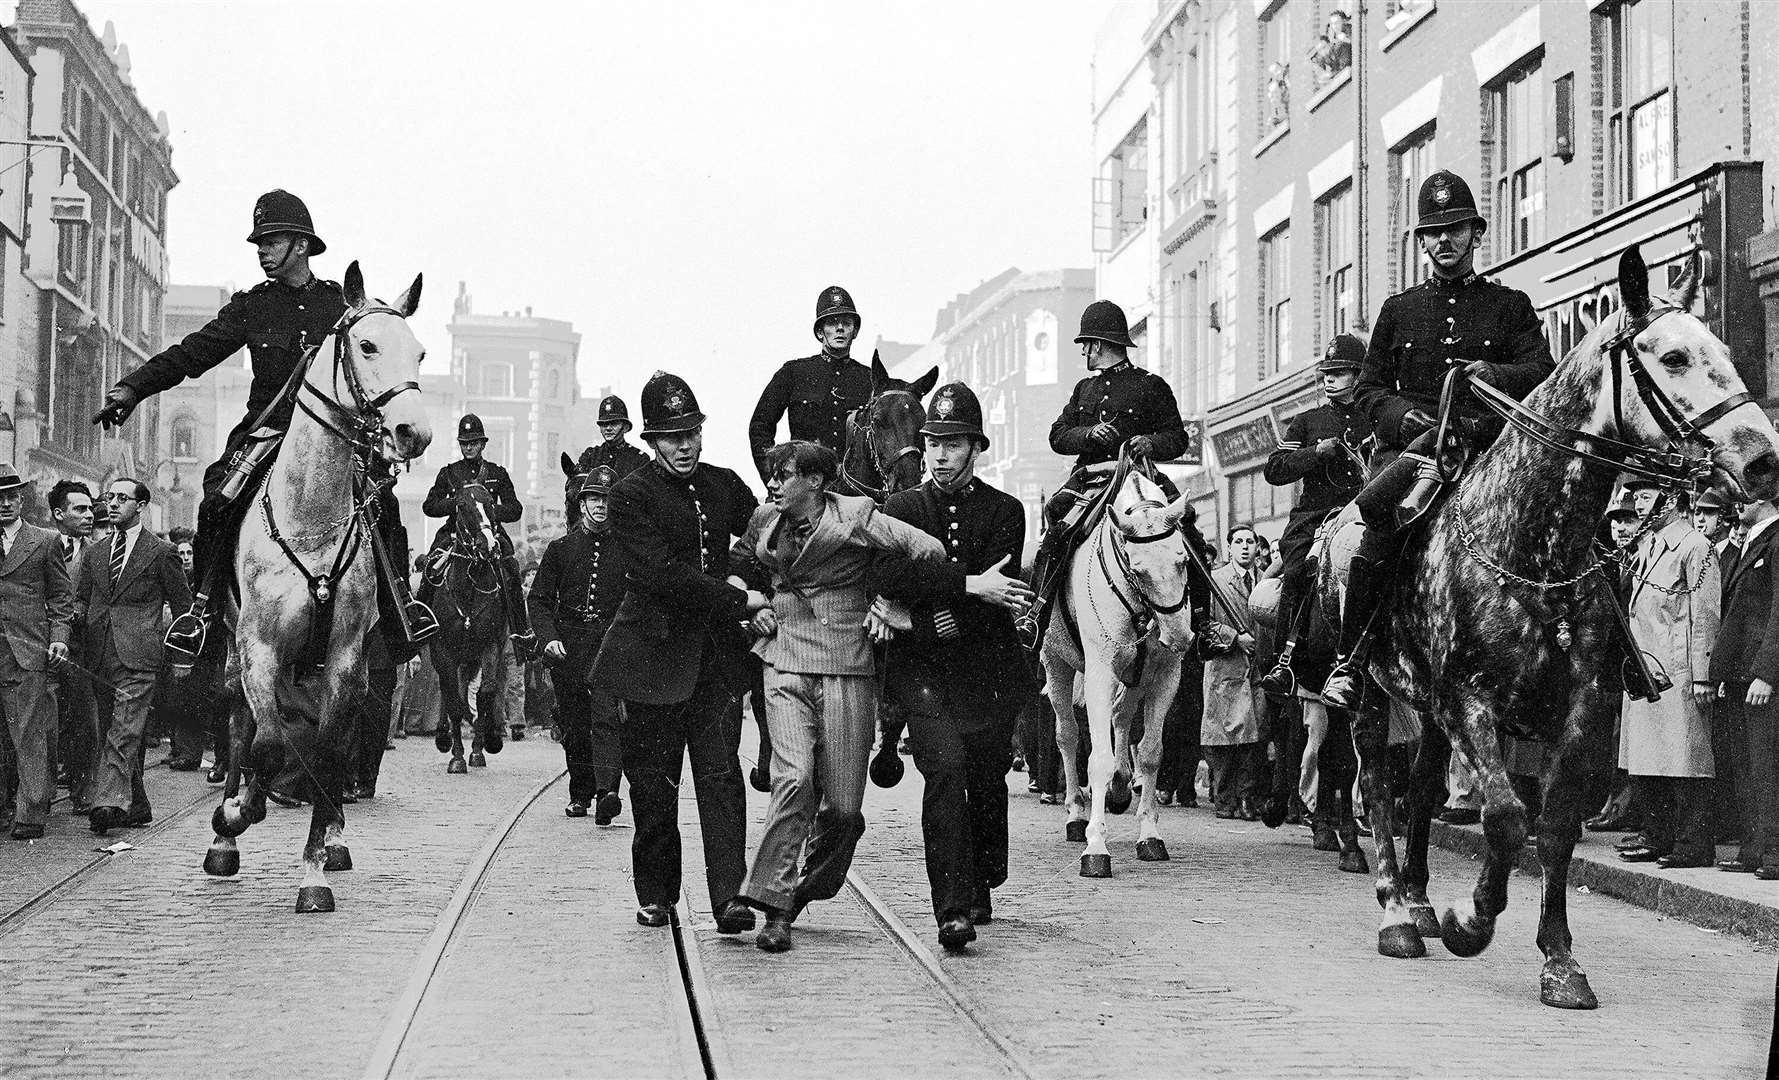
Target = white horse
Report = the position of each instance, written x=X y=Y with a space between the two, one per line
x=308 y=586
x=1127 y=585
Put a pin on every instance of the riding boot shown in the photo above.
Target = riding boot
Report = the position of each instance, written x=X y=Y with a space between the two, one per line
x=1046 y=570
x=1367 y=583
x=417 y=620
x=1281 y=682
x=512 y=594
x=190 y=630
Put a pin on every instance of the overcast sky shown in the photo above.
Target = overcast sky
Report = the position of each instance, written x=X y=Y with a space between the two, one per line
x=679 y=180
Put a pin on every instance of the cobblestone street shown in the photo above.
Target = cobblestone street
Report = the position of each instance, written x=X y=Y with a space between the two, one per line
x=1247 y=955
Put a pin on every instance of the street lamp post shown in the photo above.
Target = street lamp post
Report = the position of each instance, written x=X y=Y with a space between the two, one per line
x=68 y=203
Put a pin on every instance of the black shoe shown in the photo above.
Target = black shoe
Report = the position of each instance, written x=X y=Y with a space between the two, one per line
x=1683 y=860
x=735 y=917
x=422 y=624
x=955 y=932
x=1607 y=823
x=22 y=831
x=1460 y=815
x=1639 y=854
x=216 y=775
x=138 y=816
x=608 y=806
x=654 y=914
x=775 y=936
x=1342 y=688
x=184 y=764
x=1279 y=682
x=575 y=809
x=105 y=818
x=1736 y=866
x=1767 y=872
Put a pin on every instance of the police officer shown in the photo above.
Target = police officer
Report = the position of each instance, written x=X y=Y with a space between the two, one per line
x=1119 y=404
x=472 y=440
x=278 y=321
x=1320 y=448
x=959 y=671
x=614 y=450
x=573 y=598
x=819 y=391
x=1453 y=321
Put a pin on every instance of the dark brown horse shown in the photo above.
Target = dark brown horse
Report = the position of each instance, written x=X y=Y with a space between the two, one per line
x=1501 y=626
x=472 y=624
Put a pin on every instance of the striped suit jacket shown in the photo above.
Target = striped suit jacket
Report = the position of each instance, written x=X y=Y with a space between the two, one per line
x=819 y=597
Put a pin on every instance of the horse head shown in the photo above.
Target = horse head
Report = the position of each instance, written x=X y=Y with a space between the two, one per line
x=885 y=439
x=377 y=367
x=471 y=520
x=1671 y=383
x=1152 y=546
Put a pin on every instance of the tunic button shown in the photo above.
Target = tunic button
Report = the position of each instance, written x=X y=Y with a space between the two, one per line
x=824 y=621
x=1453 y=300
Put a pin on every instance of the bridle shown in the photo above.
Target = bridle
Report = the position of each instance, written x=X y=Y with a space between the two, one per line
x=361 y=423
x=1673 y=465
x=859 y=421
x=1149 y=608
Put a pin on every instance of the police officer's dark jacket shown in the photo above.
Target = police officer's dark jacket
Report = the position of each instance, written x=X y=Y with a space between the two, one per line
x=273 y=321
x=819 y=393
x=576 y=593
x=1326 y=484
x=507 y=508
x=979 y=525
x=1134 y=401
x=1469 y=318
x=620 y=456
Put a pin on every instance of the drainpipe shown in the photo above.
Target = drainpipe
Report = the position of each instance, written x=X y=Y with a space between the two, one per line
x=1361 y=168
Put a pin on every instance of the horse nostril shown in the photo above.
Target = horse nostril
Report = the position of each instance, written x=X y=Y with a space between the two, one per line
x=404 y=431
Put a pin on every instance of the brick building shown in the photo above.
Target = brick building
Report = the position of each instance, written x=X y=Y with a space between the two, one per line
x=1260 y=161
x=197 y=415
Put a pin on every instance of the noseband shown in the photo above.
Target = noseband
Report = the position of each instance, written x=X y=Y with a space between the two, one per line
x=1122 y=557
x=361 y=424
x=859 y=420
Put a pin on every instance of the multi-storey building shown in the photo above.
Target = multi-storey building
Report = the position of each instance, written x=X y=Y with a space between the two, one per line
x=197 y=415
x=18 y=296
x=1260 y=160
x=517 y=371
x=99 y=288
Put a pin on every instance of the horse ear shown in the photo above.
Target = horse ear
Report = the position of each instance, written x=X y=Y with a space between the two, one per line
x=879 y=374
x=1633 y=282
x=1689 y=282
x=924 y=385
x=567 y=464
x=409 y=302
x=1176 y=510
x=354 y=285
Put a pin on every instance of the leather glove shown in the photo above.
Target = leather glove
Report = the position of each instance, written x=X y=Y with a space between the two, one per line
x=1141 y=446
x=1103 y=434
x=1483 y=371
x=1414 y=423
x=1328 y=448
x=120 y=402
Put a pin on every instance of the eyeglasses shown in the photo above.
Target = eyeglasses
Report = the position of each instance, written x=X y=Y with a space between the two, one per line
x=113 y=496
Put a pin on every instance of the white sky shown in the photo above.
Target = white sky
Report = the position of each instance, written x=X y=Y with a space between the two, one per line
x=679 y=179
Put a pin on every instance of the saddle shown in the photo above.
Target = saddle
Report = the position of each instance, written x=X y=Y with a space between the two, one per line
x=1078 y=521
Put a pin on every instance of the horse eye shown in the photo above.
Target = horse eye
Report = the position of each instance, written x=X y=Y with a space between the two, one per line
x=369 y=348
x=1676 y=361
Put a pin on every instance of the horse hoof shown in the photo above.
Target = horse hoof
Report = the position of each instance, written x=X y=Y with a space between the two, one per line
x=1075 y=831
x=1324 y=838
x=255 y=811
x=1096 y=866
x=887 y=768
x=222 y=826
x=223 y=863
x=1118 y=797
x=494 y=738
x=441 y=738
x=457 y=767
x=313 y=898
x=339 y=857
x=1353 y=862
x=1272 y=814
x=1401 y=941
x=477 y=760
x=1564 y=986
x=1152 y=850
x=1462 y=940
x=1425 y=921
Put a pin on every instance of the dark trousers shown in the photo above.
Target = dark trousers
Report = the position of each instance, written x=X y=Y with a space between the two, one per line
x=657 y=739
x=123 y=700
x=591 y=739
x=1180 y=751
x=369 y=734
x=1756 y=770
x=1675 y=814
x=186 y=707
x=77 y=727
x=30 y=709
x=963 y=812
x=1726 y=795
x=1037 y=741
x=1235 y=773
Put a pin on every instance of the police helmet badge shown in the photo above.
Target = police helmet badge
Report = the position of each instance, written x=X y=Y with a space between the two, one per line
x=675 y=404
x=1442 y=193
x=1328 y=354
x=943 y=406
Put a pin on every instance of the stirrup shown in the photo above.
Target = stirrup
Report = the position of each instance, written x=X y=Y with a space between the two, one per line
x=420 y=624
x=1342 y=688
x=525 y=645
x=1281 y=681
x=185 y=638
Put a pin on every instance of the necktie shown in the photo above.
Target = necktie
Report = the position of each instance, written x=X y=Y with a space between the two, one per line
x=69 y=550
x=3 y=545
x=117 y=557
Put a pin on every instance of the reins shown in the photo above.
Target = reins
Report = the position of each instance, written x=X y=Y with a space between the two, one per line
x=859 y=421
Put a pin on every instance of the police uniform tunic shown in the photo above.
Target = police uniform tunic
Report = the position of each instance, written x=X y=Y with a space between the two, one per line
x=440 y=500
x=1134 y=401
x=819 y=393
x=621 y=457
x=573 y=599
x=1327 y=484
x=1465 y=319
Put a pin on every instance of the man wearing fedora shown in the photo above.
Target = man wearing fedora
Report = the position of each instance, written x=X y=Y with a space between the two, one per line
x=818 y=391
x=472 y=467
x=1455 y=320
x=36 y=613
x=1118 y=405
x=675 y=655
x=280 y=322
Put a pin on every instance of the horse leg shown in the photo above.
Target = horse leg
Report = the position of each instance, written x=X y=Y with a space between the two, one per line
x=453 y=704
x=1100 y=685
x=1396 y=936
x=314 y=894
x=1156 y=703
x=1468 y=926
x=491 y=709
x=446 y=669
x=1334 y=776
x=1426 y=791
x=1060 y=684
x=229 y=820
x=1125 y=703
x=1584 y=752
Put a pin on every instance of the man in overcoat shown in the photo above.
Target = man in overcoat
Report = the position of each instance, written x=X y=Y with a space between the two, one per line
x=959 y=670
x=1230 y=733
x=1745 y=667
x=36 y=610
x=675 y=652
x=125 y=583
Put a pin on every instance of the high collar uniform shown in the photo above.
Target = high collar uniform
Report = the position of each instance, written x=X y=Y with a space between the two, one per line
x=573 y=600
x=819 y=393
x=1134 y=401
x=620 y=456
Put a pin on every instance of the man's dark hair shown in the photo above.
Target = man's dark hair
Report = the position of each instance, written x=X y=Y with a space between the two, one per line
x=808 y=458
x=1233 y=529
x=58 y=495
x=141 y=489
x=181 y=534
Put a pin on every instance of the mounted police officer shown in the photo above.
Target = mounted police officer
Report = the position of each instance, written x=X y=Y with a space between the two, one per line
x=819 y=391
x=280 y=321
x=959 y=669
x=1321 y=448
x=472 y=440
x=1453 y=323
x=1119 y=405
x=614 y=451
x=573 y=598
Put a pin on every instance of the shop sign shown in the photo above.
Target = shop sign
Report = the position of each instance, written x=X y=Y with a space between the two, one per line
x=1247 y=441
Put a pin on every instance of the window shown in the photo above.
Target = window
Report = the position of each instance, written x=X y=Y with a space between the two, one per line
x=497 y=380
x=185 y=439
x=1334 y=261
x=1275 y=301
x=1333 y=51
x=1517 y=109
x=1251 y=498
x=1397 y=12
x=1639 y=99
x=1275 y=66
x=148 y=310
x=1125 y=188
x=555 y=387
x=552 y=445
x=1410 y=165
